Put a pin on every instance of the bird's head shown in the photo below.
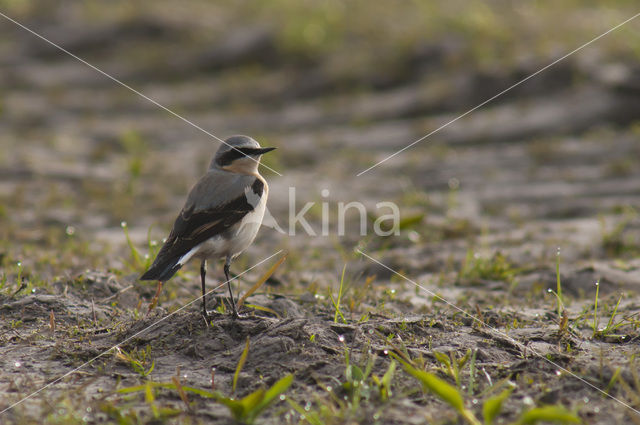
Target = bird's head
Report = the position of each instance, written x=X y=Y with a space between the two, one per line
x=239 y=154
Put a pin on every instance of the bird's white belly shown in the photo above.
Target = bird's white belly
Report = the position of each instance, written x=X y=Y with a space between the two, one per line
x=235 y=240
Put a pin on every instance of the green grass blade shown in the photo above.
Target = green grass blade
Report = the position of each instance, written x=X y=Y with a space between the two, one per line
x=311 y=417
x=493 y=406
x=249 y=405
x=445 y=391
x=385 y=383
x=336 y=304
x=559 y=285
x=557 y=414
x=243 y=359
x=135 y=255
x=595 y=310
x=610 y=326
x=439 y=387
x=271 y=395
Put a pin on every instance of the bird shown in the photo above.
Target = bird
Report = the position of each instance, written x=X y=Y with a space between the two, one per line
x=220 y=218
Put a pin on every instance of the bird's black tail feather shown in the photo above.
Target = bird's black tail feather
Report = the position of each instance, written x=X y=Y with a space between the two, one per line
x=162 y=271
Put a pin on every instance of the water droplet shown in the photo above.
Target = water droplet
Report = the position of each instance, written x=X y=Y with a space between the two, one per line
x=597 y=283
x=393 y=291
x=146 y=256
x=282 y=397
x=474 y=401
x=558 y=251
x=153 y=242
x=376 y=416
x=33 y=291
x=329 y=389
x=85 y=418
x=89 y=409
x=385 y=352
x=341 y=338
x=19 y=263
x=316 y=296
x=123 y=224
x=302 y=417
x=549 y=290
x=324 y=193
x=528 y=401
x=586 y=399
x=17 y=364
x=370 y=331
x=307 y=406
x=596 y=409
x=558 y=373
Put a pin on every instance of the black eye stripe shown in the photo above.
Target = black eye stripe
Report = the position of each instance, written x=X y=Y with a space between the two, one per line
x=234 y=154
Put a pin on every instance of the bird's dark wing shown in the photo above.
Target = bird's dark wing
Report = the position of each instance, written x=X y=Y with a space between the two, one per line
x=193 y=226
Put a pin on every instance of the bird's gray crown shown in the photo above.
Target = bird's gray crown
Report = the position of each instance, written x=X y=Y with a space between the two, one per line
x=231 y=149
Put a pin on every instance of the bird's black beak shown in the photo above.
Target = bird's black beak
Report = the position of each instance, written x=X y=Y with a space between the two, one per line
x=261 y=151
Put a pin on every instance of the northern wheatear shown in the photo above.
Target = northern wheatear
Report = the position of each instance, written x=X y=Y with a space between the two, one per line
x=221 y=216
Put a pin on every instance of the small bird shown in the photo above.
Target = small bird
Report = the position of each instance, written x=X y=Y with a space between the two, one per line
x=221 y=216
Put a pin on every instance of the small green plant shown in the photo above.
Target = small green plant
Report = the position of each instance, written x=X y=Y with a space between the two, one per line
x=497 y=267
x=384 y=384
x=137 y=359
x=611 y=325
x=358 y=387
x=336 y=302
x=442 y=389
x=245 y=410
x=617 y=242
x=491 y=407
x=356 y=384
x=452 y=365
x=139 y=261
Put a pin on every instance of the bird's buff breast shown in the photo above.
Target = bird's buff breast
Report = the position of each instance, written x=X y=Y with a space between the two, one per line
x=237 y=238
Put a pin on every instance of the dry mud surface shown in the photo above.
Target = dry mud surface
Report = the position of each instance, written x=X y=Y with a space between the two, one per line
x=485 y=205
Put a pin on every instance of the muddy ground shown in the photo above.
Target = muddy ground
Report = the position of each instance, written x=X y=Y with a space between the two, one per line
x=548 y=172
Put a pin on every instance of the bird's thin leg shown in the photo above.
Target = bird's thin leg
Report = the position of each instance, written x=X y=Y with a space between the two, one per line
x=203 y=274
x=227 y=264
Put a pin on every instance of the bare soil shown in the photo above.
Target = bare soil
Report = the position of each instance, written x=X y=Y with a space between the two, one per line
x=485 y=204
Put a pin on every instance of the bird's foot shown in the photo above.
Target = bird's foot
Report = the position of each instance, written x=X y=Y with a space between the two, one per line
x=209 y=315
x=236 y=316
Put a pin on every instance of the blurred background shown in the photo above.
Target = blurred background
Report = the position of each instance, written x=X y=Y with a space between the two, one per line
x=336 y=86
